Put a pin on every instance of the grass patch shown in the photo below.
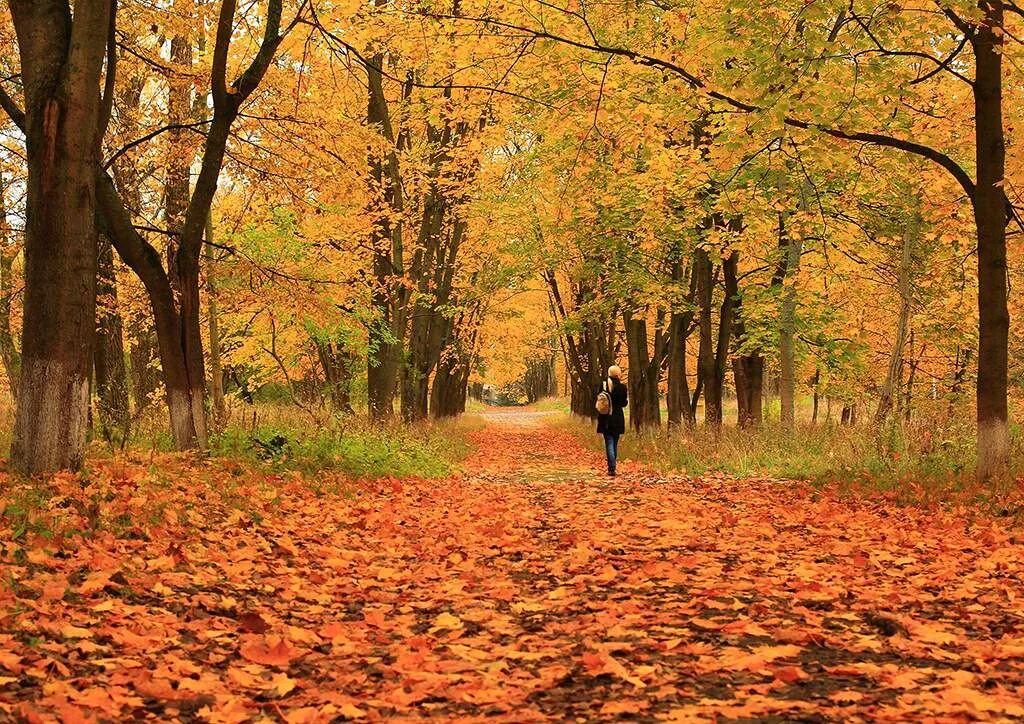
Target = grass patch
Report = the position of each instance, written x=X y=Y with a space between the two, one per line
x=922 y=461
x=352 y=447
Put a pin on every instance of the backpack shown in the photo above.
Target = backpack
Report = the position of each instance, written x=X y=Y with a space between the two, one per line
x=604 y=400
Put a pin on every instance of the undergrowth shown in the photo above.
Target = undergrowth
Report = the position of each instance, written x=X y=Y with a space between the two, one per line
x=916 y=462
x=352 y=447
x=313 y=440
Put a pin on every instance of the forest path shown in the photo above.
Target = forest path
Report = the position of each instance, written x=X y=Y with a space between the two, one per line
x=528 y=587
x=714 y=597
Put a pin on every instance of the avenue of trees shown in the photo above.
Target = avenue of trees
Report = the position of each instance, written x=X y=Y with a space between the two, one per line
x=385 y=202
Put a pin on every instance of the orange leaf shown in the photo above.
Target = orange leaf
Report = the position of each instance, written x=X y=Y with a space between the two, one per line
x=272 y=651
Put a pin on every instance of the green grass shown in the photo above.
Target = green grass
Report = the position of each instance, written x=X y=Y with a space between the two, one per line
x=352 y=447
x=920 y=461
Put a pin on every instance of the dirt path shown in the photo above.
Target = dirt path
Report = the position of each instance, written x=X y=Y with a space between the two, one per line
x=527 y=588
x=709 y=598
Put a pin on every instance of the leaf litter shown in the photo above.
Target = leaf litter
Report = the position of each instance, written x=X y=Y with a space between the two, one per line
x=526 y=588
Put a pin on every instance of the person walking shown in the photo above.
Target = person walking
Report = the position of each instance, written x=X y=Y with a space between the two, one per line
x=612 y=399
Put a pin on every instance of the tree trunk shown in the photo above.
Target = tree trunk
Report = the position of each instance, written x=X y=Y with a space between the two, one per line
x=680 y=326
x=748 y=372
x=187 y=402
x=644 y=403
x=61 y=61
x=108 y=356
x=713 y=354
x=539 y=379
x=702 y=269
x=338 y=364
x=389 y=296
x=990 y=220
x=448 y=393
x=213 y=330
x=787 y=329
x=894 y=373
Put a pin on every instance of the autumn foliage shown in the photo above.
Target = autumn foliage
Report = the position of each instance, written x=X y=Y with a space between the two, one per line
x=522 y=589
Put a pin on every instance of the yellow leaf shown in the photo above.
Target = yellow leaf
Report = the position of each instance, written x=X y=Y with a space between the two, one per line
x=447 y=620
x=281 y=685
x=75 y=632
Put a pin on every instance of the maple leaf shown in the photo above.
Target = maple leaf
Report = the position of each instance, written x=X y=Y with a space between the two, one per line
x=269 y=651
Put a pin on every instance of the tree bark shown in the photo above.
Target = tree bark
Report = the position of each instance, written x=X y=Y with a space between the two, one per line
x=748 y=372
x=894 y=371
x=386 y=332
x=787 y=330
x=712 y=354
x=644 y=369
x=680 y=327
x=338 y=365
x=213 y=330
x=990 y=219
x=61 y=61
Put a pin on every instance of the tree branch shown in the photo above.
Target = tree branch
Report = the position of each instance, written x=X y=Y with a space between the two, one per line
x=149 y=136
x=698 y=84
x=219 y=66
x=107 y=99
x=9 y=105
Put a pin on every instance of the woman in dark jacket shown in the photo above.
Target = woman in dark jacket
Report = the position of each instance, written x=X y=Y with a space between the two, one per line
x=613 y=424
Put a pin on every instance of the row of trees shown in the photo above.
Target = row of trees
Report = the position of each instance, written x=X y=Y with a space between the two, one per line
x=320 y=196
x=133 y=118
x=747 y=143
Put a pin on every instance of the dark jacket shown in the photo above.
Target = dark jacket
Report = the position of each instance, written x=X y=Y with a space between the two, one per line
x=614 y=423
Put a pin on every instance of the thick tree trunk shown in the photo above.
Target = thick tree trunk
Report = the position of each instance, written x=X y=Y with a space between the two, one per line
x=677 y=397
x=448 y=393
x=990 y=220
x=61 y=61
x=416 y=375
x=748 y=372
x=386 y=333
x=644 y=368
x=108 y=356
x=702 y=269
x=187 y=402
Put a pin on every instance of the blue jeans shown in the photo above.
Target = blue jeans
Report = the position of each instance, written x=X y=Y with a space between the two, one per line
x=611 y=450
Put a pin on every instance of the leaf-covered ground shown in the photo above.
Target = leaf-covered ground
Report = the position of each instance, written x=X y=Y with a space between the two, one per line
x=529 y=588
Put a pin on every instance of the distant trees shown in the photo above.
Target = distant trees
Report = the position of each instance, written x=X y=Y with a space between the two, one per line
x=790 y=72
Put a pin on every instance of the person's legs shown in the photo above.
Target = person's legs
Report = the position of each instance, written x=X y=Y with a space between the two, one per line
x=615 y=451
x=609 y=451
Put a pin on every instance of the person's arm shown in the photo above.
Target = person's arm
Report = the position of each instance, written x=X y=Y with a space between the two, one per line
x=625 y=396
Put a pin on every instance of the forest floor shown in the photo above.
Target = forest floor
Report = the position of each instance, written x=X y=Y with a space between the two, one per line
x=529 y=587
